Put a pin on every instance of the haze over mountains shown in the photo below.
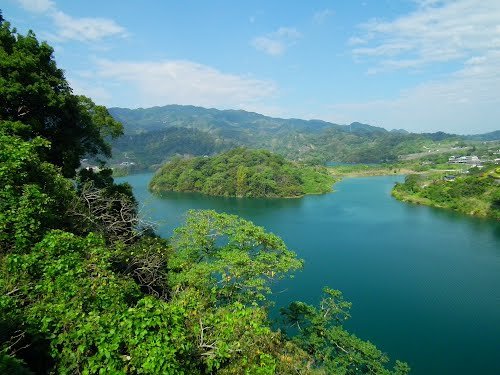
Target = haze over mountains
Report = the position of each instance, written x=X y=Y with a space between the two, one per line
x=154 y=134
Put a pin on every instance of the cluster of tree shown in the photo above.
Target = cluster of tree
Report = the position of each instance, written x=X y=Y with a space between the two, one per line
x=476 y=193
x=242 y=172
x=86 y=288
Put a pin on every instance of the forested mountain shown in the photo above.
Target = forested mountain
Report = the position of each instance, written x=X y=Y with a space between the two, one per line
x=152 y=148
x=491 y=136
x=234 y=123
x=148 y=136
x=242 y=173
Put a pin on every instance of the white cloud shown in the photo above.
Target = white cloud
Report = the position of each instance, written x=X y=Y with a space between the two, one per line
x=98 y=94
x=152 y=83
x=321 y=16
x=85 y=29
x=437 y=31
x=356 y=40
x=466 y=102
x=277 y=42
x=37 y=6
x=70 y=28
x=462 y=37
x=270 y=46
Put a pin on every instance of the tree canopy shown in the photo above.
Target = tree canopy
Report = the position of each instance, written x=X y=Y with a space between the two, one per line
x=242 y=172
x=476 y=193
x=36 y=100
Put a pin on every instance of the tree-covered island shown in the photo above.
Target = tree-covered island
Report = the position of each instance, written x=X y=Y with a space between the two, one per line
x=242 y=172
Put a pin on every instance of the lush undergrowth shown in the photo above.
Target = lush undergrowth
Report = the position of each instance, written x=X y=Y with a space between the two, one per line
x=475 y=194
x=242 y=173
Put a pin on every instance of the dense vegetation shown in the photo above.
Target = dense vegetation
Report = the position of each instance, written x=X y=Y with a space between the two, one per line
x=476 y=193
x=151 y=149
x=242 y=173
x=208 y=131
x=87 y=288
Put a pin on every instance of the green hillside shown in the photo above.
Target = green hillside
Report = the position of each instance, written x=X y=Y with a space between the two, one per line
x=243 y=173
x=310 y=141
x=475 y=194
x=151 y=149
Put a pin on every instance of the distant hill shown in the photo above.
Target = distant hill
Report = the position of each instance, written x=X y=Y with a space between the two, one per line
x=152 y=148
x=492 y=136
x=223 y=122
x=153 y=135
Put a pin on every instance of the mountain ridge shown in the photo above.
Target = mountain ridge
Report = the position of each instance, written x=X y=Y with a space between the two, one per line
x=118 y=112
x=153 y=135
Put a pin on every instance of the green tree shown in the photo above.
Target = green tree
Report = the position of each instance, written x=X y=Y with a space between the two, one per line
x=321 y=334
x=37 y=100
x=227 y=257
x=241 y=175
x=33 y=195
x=94 y=318
x=244 y=173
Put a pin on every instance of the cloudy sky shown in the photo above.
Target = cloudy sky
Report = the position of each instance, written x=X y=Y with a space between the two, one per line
x=420 y=65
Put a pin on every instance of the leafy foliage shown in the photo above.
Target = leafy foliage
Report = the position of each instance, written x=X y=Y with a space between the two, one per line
x=321 y=334
x=474 y=194
x=94 y=318
x=34 y=92
x=33 y=195
x=227 y=257
x=243 y=173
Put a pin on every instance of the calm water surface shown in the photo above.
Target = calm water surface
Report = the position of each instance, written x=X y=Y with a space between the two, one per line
x=424 y=283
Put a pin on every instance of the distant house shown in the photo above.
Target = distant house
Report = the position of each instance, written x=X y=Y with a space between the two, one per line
x=449 y=178
x=471 y=160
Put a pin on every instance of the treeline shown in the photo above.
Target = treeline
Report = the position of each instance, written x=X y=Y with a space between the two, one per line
x=242 y=172
x=86 y=287
x=476 y=194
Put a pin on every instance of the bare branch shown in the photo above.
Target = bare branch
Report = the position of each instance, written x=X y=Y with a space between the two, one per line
x=114 y=215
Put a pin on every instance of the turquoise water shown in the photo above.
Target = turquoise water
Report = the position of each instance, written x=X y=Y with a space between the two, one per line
x=424 y=283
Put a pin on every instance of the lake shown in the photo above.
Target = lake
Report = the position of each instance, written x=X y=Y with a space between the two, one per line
x=424 y=282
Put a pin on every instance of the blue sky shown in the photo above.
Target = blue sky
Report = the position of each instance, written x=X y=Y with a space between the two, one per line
x=420 y=65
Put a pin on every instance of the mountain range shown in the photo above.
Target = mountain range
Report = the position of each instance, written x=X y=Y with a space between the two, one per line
x=152 y=135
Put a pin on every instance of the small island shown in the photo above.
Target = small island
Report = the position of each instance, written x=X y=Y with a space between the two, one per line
x=242 y=172
x=475 y=193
